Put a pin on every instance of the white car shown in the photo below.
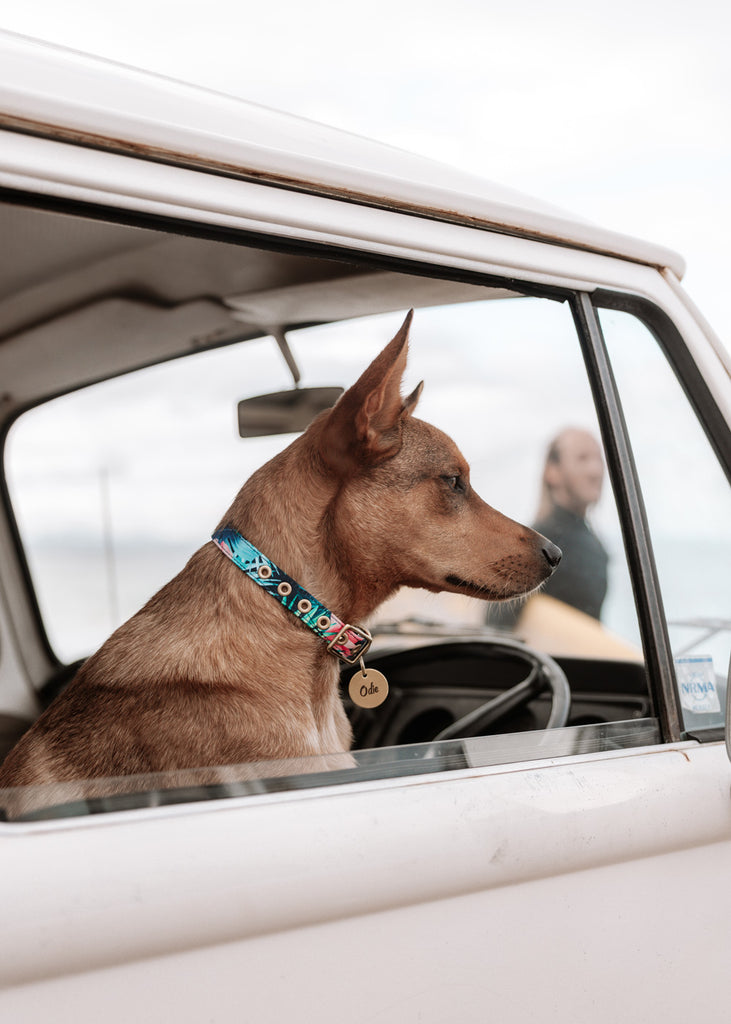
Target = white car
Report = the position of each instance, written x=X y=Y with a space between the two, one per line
x=558 y=858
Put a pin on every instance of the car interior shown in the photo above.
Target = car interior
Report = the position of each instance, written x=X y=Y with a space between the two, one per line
x=98 y=316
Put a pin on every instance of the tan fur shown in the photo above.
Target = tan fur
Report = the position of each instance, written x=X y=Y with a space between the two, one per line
x=212 y=671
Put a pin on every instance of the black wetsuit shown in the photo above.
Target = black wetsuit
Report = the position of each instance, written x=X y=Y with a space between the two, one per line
x=581 y=578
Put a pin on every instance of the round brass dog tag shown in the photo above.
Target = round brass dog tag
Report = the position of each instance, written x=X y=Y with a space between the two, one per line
x=368 y=688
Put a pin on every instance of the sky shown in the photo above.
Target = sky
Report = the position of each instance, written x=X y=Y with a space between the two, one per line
x=618 y=113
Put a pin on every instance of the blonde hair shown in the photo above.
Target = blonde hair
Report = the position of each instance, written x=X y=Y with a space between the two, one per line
x=546 y=503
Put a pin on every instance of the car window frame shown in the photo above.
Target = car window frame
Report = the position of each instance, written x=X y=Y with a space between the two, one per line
x=713 y=423
x=671 y=343
x=620 y=464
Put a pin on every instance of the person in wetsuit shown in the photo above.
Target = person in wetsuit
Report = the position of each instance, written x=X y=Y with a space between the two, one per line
x=573 y=476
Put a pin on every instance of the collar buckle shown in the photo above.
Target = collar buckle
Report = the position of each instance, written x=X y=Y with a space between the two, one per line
x=350 y=643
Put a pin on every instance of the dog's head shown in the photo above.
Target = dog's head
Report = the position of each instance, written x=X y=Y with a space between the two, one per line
x=405 y=512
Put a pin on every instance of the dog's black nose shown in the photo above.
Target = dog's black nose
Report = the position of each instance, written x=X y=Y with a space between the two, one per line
x=552 y=554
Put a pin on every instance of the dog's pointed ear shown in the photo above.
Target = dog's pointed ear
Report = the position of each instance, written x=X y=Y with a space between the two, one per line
x=365 y=425
x=410 y=403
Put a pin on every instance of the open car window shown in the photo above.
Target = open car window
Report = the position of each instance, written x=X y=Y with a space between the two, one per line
x=115 y=485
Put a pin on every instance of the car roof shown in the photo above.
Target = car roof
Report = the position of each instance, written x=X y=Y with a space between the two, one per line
x=50 y=90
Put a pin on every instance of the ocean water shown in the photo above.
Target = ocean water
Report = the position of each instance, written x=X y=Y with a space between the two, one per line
x=84 y=594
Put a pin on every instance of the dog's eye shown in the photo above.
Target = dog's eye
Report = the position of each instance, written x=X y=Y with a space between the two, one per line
x=455 y=483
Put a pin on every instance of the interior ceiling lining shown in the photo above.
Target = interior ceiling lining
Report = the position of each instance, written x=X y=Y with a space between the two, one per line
x=56 y=262
x=129 y=297
x=362 y=295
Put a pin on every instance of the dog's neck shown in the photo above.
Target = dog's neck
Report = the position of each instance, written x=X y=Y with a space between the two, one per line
x=345 y=640
x=286 y=511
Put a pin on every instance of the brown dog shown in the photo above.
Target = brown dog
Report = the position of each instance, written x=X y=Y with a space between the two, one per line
x=212 y=671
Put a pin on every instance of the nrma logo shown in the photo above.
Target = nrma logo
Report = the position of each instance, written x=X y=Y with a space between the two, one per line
x=696 y=688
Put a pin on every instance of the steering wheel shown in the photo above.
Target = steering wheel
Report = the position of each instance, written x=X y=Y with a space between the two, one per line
x=543 y=673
